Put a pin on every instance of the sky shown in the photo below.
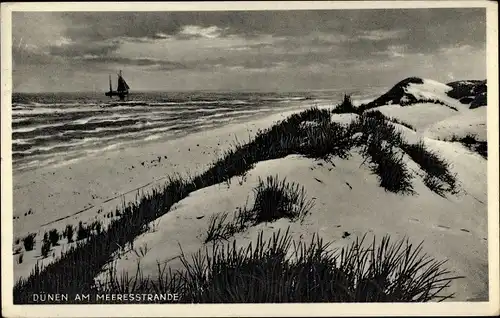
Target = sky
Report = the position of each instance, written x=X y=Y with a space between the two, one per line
x=245 y=50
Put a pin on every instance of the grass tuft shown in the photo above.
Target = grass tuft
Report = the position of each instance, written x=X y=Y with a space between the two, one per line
x=276 y=199
x=29 y=242
x=83 y=231
x=436 y=168
x=472 y=143
x=218 y=228
x=68 y=232
x=345 y=107
x=379 y=140
x=54 y=237
x=45 y=248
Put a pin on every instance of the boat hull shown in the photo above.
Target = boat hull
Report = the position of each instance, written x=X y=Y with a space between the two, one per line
x=121 y=95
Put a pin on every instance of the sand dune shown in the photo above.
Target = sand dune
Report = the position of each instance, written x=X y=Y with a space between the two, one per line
x=348 y=198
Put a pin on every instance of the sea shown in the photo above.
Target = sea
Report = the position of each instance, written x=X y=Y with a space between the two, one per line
x=50 y=128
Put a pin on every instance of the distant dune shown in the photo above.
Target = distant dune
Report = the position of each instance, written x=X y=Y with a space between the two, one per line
x=415 y=90
x=469 y=92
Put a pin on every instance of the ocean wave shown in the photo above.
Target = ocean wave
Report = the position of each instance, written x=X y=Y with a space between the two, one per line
x=52 y=128
x=50 y=111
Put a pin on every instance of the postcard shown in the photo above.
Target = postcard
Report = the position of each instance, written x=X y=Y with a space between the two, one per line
x=250 y=158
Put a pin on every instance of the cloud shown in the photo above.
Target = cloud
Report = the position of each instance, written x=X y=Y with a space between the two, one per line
x=322 y=43
x=379 y=35
x=72 y=49
x=196 y=31
x=161 y=64
x=393 y=51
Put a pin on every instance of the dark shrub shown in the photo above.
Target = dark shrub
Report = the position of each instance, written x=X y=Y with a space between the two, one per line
x=345 y=107
x=377 y=114
x=97 y=226
x=466 y=100
x=435 y=184
x=69 y=231
x=479 y=100
x=53 y=237
x=83 y=231
x=29 y=242
x=45 y=248
x=380 y=116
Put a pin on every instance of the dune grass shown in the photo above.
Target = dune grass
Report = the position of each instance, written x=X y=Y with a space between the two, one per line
x=29 y=242
x=54 y=237
x=45 y=249
x=380 y=141
x=345 y=107
x=274 y=199
x=471 y=142
x=280 y=269
x=437 y=169
x=74 y=271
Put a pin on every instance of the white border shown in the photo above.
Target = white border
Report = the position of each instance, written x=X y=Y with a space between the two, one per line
x=242 y=310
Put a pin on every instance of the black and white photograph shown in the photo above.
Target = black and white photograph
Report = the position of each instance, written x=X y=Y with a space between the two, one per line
x=249 y=156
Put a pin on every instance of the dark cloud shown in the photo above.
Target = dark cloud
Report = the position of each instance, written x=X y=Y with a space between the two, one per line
x=82 y=49
x=427 y=28
x=23 y=56
x=162 y=64
x=242 y=40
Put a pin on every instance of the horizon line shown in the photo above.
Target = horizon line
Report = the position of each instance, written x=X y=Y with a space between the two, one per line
x=194 y=90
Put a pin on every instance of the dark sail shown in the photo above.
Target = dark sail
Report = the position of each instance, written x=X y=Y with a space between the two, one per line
x=121 y=90
x=122 y=85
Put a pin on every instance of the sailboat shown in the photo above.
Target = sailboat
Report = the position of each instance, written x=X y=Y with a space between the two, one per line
x=121 y=89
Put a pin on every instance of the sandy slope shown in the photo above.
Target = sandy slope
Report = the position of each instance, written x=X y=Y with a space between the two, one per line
x=438 y=122
x=347 y=198
x=472 y=121
x=419 y=116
